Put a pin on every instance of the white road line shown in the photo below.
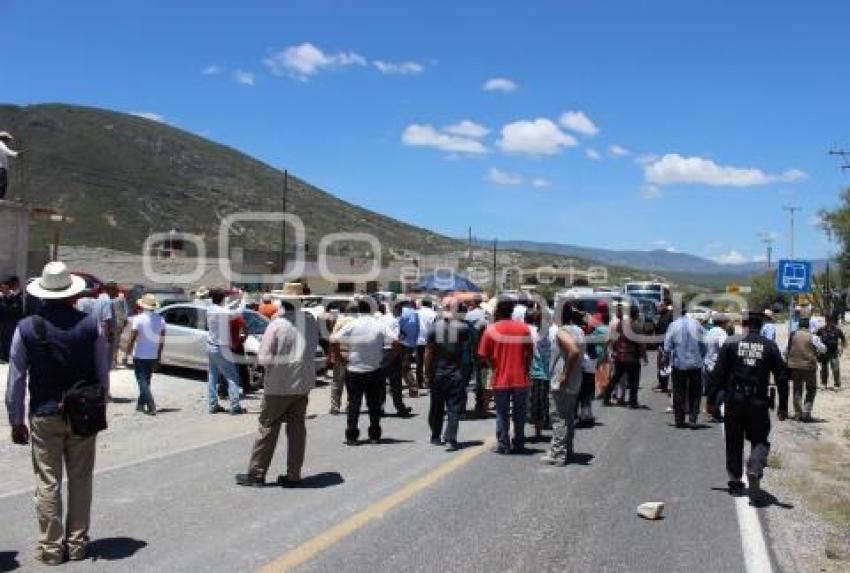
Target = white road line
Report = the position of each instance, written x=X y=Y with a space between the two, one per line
x=143 y=460
x=753 y=545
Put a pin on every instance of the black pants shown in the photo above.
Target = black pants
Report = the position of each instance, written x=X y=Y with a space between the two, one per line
x=393 y=371
x=446 y=396
x=687 y=394
x=661 y=359
x=588 y=389
x=357 y=384
x=746 y=419
x=631 y=370
x=420 y=366
x=4 y=182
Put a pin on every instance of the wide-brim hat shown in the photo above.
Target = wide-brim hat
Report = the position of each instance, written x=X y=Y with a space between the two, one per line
x=148 y=302
x=56 y=282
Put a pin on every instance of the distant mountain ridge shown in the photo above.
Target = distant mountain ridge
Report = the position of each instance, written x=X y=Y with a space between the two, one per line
x=658 y=260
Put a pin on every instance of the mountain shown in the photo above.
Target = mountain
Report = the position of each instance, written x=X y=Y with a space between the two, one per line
x=660 y=261
x=121 y=177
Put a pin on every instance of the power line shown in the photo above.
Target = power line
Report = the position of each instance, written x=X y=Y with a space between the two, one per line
x=844 y=155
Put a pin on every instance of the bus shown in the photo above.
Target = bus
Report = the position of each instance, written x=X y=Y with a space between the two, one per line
x=657 y=292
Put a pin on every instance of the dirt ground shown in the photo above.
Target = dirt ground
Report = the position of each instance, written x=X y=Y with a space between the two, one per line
x=810 y=470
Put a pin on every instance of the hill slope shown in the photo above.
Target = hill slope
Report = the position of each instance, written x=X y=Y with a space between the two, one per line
x=122 y=177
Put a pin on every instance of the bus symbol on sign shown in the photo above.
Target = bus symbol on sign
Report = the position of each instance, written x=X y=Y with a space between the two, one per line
x=794 y=276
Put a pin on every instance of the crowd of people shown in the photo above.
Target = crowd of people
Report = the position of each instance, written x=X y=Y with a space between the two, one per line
x=537 y=367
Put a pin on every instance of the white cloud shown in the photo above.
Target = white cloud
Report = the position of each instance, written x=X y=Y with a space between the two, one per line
x=664 y=245
x=424 y=135
x=211 y=70
x=536 y=137
x=401 y=68
x=467 y=128
x=733 y=257
x=792 y=175
x=674 y=168
x=305 y=60
x=243 y=77
x=500 y=177
x=149 y=115
x=578 y=122
x=618 y=151
x=650 y=192
x=592 y=154
x=646 y=158
x=540 y=183
x=500 y=85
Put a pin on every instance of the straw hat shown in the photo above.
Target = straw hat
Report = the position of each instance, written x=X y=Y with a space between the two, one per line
x=56 y=282
x=293 y=289
x=148 y=302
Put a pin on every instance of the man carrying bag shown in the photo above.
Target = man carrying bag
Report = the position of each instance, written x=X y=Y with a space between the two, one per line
x=64 y=357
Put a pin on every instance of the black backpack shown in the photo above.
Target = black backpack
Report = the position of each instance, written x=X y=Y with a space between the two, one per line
x=830 y=338
x=84 y=402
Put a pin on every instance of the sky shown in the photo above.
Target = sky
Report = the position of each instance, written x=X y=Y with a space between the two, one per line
x=630 y=124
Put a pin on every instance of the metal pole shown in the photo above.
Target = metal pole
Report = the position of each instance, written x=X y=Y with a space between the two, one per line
x=283 y=224
x=791 y=210
x=495 y=247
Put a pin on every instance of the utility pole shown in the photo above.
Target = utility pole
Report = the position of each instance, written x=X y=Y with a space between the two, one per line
x=791 y=210
x=768 y=239
x=495 y=248
x=283 y=224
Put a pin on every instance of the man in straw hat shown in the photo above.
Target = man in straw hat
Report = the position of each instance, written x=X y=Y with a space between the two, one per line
x=147 y=338
x=54 y=350
x=5 y=154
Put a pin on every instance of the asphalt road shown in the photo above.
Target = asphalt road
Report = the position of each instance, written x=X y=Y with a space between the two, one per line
x=182 y=512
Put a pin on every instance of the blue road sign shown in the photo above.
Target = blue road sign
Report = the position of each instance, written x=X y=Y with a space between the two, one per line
x=794 y=276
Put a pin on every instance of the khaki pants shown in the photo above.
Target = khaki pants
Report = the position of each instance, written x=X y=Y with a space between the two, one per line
x=277 y=410
x=52 y=444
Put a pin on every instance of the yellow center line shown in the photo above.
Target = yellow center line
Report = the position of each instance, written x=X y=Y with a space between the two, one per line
x=329 y=537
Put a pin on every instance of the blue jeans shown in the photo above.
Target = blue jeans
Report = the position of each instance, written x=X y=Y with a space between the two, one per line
x=143 y=369
x=220 y=365
x=503 y=398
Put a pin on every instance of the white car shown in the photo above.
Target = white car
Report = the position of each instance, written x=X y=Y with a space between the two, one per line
x=186 y=339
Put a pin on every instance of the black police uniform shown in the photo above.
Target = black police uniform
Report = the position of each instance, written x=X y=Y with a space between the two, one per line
x=743 y=370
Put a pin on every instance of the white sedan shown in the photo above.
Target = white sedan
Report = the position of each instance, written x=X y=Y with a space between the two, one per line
x=186 y=339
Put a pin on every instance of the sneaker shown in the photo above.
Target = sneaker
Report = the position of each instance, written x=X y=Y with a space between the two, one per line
x=501 y=450
x=49 y=558
x=548 y=459
x=452 y=446
x=216 y=410
x=249 y=481
x=78 y=553
x=437 y=442
x=237 y=411
x=736 y=487
x=288 y=482
x=405 y=412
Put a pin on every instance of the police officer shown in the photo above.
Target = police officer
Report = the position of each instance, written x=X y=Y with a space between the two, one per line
x=743 y=370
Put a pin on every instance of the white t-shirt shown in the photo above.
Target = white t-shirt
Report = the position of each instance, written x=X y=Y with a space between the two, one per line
x=5 y=153
x=427 y=316
x=365 y=338
x=390 y=322
x=148 y=327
